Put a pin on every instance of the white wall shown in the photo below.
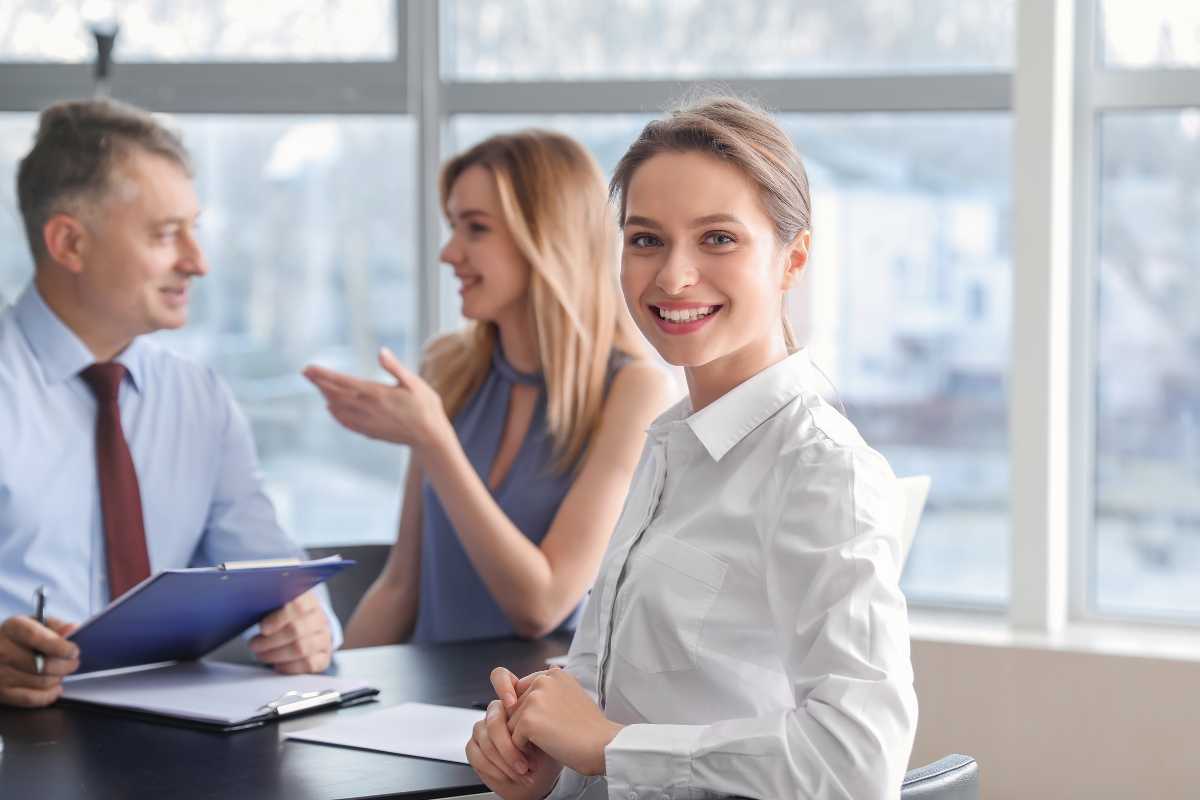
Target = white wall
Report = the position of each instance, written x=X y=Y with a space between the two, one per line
x=1050 y=723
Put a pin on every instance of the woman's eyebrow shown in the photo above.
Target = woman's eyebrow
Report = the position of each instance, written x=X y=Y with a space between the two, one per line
x=712 y=219
x=644 y=222
x=708 y=219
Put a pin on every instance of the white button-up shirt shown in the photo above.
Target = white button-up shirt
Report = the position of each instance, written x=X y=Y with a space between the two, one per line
x=747 y=624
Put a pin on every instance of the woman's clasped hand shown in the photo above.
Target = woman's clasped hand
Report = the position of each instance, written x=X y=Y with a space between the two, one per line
x=537 y=725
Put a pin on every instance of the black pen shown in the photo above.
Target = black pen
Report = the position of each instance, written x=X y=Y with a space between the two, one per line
x=39 y=660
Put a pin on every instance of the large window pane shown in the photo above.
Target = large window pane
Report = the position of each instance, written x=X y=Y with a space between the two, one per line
x=1150 y=33
x=201 y=30
x=544 y=39
x=906 y=306
x=607 y=136
x=307 y=225
x=16 y=137
x=1146 y=542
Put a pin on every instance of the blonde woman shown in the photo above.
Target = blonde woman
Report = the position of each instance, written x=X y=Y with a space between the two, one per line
x=525 y=426
x=746 y=635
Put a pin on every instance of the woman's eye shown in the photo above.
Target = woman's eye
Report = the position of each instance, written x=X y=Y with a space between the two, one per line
x=642 y=240
x=718 y=238
x=476 y=228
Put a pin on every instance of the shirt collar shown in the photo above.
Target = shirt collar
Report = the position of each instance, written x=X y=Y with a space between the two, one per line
x=61 y=353
x=727 y=420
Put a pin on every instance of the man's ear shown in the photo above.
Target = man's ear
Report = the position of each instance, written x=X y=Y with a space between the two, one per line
x=797 y=258
x=66 y=240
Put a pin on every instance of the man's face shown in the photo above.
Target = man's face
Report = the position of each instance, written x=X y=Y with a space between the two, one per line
x=141 y=251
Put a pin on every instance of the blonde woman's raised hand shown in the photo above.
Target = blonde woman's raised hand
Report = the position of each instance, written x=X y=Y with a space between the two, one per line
x=406 y=412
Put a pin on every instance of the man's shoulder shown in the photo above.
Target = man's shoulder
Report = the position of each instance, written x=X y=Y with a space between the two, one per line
x=166 y=365
x=15 y=356
x=183 y=386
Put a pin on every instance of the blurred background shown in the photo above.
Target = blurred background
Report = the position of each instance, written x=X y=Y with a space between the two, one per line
x=317 y=126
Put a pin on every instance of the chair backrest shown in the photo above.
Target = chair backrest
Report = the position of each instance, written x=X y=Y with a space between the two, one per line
x=954 y=777
x=916 y=491
x=348 y=586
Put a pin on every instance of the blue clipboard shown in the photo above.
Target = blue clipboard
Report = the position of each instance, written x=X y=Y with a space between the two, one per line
x=182 y=614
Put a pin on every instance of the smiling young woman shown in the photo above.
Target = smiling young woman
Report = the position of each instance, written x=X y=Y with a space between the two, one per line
x=746 y=635
x=526 y=425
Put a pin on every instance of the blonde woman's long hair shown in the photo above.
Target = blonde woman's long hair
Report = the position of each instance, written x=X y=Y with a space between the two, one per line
x=554 y=201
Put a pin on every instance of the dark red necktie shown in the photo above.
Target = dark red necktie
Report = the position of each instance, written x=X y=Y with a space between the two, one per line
x=120 y=499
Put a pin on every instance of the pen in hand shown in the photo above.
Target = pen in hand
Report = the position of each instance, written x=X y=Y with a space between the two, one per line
x=39 y=659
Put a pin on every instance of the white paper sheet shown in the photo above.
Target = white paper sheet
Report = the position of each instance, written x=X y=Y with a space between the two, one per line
x=408 y=729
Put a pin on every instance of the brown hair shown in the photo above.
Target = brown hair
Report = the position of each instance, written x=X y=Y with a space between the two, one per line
x=74 y=150
x=740 y=134
x=555 y=205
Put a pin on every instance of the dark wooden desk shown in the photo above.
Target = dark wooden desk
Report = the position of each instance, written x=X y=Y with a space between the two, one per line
x=69 y=752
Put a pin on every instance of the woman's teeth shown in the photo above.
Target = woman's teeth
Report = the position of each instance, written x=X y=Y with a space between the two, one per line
x=686 y=314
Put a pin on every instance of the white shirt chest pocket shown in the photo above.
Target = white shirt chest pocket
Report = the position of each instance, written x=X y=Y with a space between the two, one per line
x=669 y=591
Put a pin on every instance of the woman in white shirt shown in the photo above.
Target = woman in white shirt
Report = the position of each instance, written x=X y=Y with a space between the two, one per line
x=746 y=634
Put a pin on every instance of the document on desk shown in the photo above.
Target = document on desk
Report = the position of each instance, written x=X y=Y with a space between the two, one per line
x=226 y=697
x=408 y=729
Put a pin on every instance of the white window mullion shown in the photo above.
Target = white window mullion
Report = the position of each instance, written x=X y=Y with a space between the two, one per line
x=1083 y=311
x=1039 y=387
x=425 y=88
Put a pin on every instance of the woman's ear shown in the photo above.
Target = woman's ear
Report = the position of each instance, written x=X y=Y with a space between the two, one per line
x=797 y=258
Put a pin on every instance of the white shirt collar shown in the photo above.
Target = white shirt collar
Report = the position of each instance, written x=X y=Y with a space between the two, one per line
x=728 y=419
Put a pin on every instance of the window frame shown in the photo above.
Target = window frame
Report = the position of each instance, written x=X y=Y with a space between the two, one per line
x=1101 y=88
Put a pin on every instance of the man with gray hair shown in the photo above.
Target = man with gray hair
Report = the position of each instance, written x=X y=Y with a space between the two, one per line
x=119 y=458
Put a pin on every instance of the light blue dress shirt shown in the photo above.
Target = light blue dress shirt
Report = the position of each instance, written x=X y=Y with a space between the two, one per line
x=202 y=498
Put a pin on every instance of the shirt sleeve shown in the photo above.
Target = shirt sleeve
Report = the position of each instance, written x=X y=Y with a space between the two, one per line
x=583 y=662
x=241 y=522
x=830 y=567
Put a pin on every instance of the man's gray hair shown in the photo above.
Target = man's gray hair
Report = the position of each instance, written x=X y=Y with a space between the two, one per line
x=76 y=146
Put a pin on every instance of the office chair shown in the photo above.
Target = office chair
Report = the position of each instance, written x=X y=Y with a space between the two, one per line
x=954 y=777
x=916 y=491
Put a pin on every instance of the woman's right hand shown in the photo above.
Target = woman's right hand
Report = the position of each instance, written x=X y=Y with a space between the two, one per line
x=407 y=412
x=507 y=770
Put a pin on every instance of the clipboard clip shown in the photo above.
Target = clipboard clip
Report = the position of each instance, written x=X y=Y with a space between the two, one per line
x=258 y=564
x=292 y=702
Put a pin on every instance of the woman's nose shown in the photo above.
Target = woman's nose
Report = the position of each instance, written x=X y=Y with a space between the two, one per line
x=676 y=273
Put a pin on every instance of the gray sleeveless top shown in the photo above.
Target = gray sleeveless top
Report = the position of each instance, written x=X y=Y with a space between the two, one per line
x=454 y=602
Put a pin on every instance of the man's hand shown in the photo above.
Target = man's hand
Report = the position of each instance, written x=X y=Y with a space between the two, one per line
x=20 y=682
x=296 y=638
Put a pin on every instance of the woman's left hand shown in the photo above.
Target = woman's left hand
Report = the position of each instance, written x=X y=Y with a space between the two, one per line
x=409 y=412
x=557 y=715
